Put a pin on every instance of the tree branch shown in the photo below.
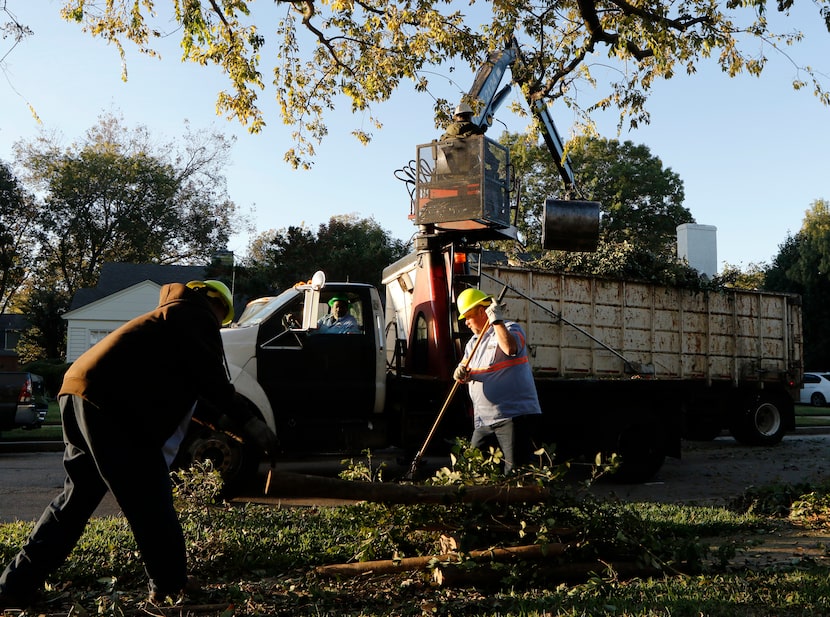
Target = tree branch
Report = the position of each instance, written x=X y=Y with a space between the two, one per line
x=681 y=25
x=307 y=10
x=219 y=14
x=588 y=10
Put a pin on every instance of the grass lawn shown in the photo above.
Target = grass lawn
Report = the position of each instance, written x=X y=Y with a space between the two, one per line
x=812 y=416
x=50 y=431
x=615 y=559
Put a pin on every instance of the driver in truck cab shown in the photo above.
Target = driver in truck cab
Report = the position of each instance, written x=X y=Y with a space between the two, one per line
x=339 y=320
x=125 y=403
x=499 y=380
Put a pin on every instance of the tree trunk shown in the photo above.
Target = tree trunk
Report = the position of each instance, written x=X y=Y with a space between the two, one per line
x=287 y=484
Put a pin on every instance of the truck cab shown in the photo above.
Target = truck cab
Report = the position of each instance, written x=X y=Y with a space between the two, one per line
x=310 y=386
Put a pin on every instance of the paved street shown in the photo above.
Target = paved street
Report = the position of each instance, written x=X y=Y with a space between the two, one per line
x=709 y=472
x=28 y=483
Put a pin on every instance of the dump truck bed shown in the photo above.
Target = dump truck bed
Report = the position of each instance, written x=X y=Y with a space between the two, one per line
x=617 y=329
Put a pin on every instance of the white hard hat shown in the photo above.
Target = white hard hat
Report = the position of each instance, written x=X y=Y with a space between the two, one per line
x=462 y=108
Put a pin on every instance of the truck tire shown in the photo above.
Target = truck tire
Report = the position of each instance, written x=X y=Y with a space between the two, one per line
x=761 y=423
x=641 y=451
x=235 y=462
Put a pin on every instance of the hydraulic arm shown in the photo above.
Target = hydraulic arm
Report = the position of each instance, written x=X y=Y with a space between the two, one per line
x=485 y=89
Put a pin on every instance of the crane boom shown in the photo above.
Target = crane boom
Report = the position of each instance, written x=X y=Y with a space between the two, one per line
x=463 y=184
x=485 y=89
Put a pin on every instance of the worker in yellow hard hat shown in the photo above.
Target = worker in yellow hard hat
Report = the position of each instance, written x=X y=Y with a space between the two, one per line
x=219 y=296
x=125 y=406
x=499 y=380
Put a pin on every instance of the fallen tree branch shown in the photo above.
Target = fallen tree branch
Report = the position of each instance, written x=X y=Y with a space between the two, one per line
x=181 y=609
x=288 y=484
x=451 y=575
x=494 y=528
x=392 y=566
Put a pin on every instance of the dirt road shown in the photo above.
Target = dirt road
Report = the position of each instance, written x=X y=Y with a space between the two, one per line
x=709 y=473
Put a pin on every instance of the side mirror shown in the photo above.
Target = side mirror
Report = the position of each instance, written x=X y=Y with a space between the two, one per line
x=318 y=280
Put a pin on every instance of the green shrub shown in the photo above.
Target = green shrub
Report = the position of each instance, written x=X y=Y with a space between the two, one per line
x=52 y=372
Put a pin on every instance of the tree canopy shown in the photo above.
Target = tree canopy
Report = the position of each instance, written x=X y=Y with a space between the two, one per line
x=117 y=195
x=802 y=266
x=365 y=49
x=17 y=235
x=346 y=248
x=641 y=201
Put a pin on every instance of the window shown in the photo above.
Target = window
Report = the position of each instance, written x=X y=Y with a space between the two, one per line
x=10 y=339
x=97 y=335
x=355 y=307
x=420 y=347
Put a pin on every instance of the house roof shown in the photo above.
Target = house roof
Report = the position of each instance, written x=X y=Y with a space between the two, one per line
x=117 y=276
x=13 y=321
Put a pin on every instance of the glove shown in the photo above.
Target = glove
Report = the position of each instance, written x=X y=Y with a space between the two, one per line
x=461 y=373
x=264 y=438
x=495 y=313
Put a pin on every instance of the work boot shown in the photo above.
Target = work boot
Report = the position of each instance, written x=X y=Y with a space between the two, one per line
x=160 y=597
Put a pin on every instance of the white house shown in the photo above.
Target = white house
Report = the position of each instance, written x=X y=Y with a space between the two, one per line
x=124 y=291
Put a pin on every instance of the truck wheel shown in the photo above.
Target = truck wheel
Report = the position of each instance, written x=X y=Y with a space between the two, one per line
x=761 y=424
x=235 y=462
x=642 y=454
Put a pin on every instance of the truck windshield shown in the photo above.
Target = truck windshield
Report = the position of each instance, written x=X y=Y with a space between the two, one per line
x=261 y=309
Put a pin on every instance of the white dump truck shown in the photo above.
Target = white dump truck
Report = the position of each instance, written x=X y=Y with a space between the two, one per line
x=621 y=367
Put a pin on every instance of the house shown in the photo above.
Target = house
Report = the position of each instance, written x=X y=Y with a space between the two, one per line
x=124 y=291
x=11 y=327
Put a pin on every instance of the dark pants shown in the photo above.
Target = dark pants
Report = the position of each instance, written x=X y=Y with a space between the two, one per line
x=517 y=438
x=102 y=454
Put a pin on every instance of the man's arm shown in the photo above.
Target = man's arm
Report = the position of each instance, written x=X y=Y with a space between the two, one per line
x=507 y=342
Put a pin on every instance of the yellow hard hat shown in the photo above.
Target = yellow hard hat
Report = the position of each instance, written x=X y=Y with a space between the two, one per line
x=469 y=299
x=217 y=289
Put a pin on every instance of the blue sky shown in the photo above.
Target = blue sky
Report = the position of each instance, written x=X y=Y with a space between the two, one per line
x=751 y=152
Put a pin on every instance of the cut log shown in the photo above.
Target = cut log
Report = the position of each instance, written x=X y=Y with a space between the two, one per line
x=447 y=544
x=287 y=484
x=392 y=566
x=450 y=575
x=495 y=528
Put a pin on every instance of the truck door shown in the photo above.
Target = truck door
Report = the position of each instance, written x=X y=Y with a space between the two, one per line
x=321 y=386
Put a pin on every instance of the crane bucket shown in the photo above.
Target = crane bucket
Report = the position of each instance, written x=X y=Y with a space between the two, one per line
x=570 y=225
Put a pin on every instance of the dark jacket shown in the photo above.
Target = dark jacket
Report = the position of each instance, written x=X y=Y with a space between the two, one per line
x=152 y=369
x=462 y=128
